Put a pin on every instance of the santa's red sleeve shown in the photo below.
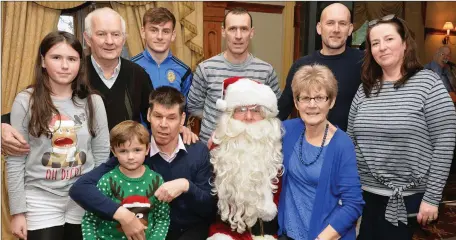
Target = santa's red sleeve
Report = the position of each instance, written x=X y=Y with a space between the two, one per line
x=222 y=231
x=277 y=193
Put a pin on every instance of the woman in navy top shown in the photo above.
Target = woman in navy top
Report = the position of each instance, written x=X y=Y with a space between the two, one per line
x=321 y=194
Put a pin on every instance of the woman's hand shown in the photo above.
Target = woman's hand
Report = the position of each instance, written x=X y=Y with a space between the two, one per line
x=19 y=226
x=427 y=213
x=188 y=136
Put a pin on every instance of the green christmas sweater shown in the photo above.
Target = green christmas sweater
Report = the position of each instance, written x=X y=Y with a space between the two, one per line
x=135 y=194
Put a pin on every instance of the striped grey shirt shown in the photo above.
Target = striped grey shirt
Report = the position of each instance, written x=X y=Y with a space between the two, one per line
x=208 y=83
x=404 y=139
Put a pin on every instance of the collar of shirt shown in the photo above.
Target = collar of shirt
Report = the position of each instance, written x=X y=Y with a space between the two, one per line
x=169 y=158
x=149 y=57
x=99 y=70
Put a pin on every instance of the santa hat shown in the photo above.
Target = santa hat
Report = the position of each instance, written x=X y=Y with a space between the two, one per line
x=61 y=121
x=243 y=92
x=135 y=201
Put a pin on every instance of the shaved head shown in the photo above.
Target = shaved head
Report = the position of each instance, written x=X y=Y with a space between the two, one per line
x=335 y=8
x=334 y=28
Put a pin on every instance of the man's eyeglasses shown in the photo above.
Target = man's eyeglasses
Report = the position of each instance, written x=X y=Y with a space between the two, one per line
x=317 y=99
x=383 y=19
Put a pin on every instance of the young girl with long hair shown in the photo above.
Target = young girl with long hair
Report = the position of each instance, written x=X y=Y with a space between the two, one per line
x=65 y=124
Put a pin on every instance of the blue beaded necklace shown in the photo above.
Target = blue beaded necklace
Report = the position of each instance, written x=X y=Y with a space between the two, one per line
x=321 y=147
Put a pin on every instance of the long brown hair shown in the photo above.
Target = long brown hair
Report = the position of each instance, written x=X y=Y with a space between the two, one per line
x=42 y=108
x=371 y=74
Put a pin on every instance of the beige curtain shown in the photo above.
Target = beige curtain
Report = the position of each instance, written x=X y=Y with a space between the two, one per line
x=372 y=10
x=60 y=5
x=24 y=24
x=288 y=35
x=188 y=45
x=6 y=233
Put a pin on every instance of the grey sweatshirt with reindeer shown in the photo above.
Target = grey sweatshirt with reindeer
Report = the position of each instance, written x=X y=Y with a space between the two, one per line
x=54 y=164
x=135 y=194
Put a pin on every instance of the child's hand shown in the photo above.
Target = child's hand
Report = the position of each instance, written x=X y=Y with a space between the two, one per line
x=131 y=226
x=19 y=226
x=172 y=189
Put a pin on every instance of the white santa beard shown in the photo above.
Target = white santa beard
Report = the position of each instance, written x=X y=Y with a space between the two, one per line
x=246 y=164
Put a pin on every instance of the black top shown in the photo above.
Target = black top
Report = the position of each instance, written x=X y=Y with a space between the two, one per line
x=6 y=118
x=346 y=67
x=128 y=98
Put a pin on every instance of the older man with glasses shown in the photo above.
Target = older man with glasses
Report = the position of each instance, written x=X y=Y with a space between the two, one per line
x=441 y=66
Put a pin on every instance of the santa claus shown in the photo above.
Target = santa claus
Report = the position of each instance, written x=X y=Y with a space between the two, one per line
x=247 y=158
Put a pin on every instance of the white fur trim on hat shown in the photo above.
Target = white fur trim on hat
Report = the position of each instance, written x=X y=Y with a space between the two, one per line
x=246 y=92
x=220 y=104
x=220 y=236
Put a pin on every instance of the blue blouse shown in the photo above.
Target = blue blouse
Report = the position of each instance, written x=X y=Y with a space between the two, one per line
x=301 y=188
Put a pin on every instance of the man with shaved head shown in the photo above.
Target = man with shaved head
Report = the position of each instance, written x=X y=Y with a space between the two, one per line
x=334 y=28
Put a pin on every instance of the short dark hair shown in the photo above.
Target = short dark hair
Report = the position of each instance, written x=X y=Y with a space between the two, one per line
x=158 y=15
x=238 y=11
x=168 y=97
x=127 y=131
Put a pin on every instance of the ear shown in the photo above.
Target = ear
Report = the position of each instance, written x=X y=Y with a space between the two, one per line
x=295 y=104
x=113 y=152
x=87 y=39
x=43 y=65
x=147 y=150
x=148 y=114
x=143 y=33
x=319 y=28
x=183 y=119
x=332 y=103
x=223 y=32
x=252 y=32
x=350 y=30
x=173 y=36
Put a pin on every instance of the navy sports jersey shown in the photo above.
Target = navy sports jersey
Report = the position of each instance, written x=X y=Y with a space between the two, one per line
x=171 y=72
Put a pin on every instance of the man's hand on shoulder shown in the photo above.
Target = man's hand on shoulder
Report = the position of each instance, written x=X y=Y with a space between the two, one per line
x=131 y=225
x=188 y=137
x=13 y=143
x=168 y=191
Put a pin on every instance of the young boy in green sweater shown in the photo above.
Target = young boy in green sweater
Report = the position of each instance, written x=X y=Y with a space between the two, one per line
x=132 y=185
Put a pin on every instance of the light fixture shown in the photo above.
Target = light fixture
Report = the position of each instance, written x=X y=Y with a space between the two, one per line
x=447 y=26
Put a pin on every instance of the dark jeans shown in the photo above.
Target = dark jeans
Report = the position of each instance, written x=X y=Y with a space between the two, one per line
x=374 y=226
x=64 y=232
x=197 y=232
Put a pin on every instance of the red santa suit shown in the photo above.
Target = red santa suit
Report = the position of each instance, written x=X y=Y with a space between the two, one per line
x=244 y=92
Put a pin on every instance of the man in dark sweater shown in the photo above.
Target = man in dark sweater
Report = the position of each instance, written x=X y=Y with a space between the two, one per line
x=185 y=168
x=124 y=85
x=345 y=62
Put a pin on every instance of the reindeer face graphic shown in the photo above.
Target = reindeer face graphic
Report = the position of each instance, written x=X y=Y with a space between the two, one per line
x=140 y=205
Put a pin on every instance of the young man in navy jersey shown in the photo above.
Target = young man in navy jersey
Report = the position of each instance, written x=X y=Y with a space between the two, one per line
x=185 y=169
x=334 y=27
x=164 y=69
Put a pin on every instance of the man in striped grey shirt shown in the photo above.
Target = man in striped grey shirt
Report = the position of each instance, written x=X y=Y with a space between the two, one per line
x=208 y=78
